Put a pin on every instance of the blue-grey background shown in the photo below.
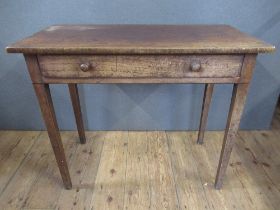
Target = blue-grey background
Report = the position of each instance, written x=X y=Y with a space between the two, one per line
x=137 y=107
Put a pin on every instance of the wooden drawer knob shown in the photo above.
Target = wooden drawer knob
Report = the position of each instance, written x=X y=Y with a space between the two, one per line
x=85 y=66
x=195 y=66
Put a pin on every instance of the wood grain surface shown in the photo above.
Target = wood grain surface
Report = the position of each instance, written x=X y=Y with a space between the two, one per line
x=156 y=66
x=139 y=39
x=140 y=170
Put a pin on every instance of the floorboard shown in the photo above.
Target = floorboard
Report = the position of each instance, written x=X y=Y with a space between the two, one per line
x=140 y=170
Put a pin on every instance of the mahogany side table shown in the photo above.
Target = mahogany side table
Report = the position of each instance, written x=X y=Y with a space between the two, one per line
x=74 y=54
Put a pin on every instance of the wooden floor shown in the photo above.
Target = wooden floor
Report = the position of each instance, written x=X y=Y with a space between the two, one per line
x=140 y=170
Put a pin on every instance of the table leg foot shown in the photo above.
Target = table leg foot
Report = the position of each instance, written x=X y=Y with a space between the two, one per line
x=236 y=108
x=47 y=109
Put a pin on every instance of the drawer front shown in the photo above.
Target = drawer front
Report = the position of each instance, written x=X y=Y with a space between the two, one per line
x=134 y=66
x=60 y=66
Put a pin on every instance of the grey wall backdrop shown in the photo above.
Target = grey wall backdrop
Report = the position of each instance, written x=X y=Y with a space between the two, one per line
x=137 y=107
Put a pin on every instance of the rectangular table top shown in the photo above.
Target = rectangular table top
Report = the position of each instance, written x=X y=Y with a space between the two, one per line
x=139 y=39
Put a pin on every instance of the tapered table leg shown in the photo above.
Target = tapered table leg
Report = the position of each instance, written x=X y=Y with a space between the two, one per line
x=74 y=94
x=236 y=108
x=208 y=91
x=47 y=109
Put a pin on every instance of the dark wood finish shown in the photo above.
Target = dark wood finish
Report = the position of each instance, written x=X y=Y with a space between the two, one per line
x=72 y=54
x=139 y=80
x=156 y=66
x=33 y=68
x=61 y=66
x=180 y=66
x=236 y=108
x=47 y=109
x=74 y=93
x=139 y=39
x=248 y=68
x=205 y=109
